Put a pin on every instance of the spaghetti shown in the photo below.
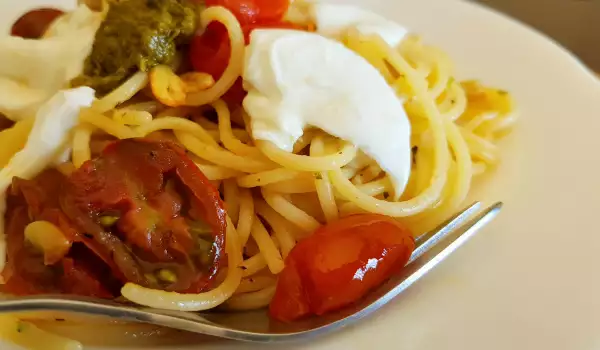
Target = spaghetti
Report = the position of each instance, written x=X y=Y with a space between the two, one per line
x=276 y=198
x=450 y=141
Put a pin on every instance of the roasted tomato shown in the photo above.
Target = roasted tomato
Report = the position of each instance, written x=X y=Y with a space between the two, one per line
x=253 y=11
x=33 y=24
x=210 y=51
x=128 y=217
x=31 y=270
x=137 y=200
x=339 y=264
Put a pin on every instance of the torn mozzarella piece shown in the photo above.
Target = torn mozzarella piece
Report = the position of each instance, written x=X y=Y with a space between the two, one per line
x=334 y=21
x=33 y=70
x=298 y=79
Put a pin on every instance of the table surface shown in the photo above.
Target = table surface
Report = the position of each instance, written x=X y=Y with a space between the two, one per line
x=573 y=23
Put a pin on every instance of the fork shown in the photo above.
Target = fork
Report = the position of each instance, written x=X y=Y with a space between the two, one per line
x=255 y=326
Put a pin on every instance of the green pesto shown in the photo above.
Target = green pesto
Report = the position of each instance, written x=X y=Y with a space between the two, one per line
x=136 y=34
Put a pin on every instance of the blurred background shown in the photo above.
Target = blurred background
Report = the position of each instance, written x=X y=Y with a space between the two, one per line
x=573 y=23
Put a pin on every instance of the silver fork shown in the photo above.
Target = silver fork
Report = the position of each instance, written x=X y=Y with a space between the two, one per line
x=255 y=326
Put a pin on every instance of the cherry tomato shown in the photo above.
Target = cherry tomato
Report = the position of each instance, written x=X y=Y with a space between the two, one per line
x=33 y=24
x=126 y=216
x=26 y=271
x=339 y=264
x=82 y=277
x=209 y=53
x=252 y=11
x=41 y=197
x=236 y=94
x=151 y=188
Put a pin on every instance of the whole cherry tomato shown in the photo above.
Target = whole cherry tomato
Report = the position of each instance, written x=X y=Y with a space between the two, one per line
x=339 y=264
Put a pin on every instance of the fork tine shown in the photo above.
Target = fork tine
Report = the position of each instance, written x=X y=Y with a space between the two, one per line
x=454 y=237
x=431 y=238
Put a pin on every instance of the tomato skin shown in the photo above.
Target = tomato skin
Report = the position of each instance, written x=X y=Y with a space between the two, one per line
x=339 y=264
x=33 y=24
x=210 y=51
x=290 y=301
x=79 y=279
x=27 y=272
x=129 y=179
x=252 y=11
x=152 y=189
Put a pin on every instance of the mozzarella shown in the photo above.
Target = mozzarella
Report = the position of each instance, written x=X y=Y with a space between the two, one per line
x=297 y=79
x=48 y=139
x=34 y=70
x=333 y=20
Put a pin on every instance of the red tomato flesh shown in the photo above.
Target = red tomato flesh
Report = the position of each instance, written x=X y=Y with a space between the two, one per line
x=34 y=24
x=252 y=11
x=27 y=272
x=209 y=52
x=151 y=189
x=131 y=179
x=339 y=264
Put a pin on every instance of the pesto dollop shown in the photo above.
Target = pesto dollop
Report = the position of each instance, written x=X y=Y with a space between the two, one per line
x=136 y=35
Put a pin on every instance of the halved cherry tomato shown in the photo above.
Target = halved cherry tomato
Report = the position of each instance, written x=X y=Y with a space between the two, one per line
x=41 y=199
x=151 y=188
x=86 y=275
x=252 y=11
x=27 y=271
x=33 y=24
x=339 y=264
x=126 y=216
x=236 y=94
x=209 y=53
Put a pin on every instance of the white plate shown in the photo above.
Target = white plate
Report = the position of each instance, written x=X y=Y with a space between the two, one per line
x=530 y=280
